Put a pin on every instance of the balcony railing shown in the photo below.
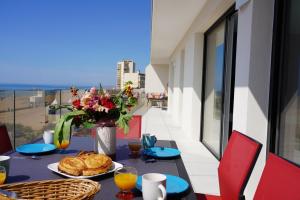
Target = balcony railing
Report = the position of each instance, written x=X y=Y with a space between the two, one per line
x=27 y=113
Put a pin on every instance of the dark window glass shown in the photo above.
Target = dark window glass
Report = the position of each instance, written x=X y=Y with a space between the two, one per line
x=289 y=95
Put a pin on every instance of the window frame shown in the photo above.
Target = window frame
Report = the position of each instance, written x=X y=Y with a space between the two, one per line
x=224 y=18
x=277 y=59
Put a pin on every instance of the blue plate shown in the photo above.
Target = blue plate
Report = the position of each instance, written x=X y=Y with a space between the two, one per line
x=162 y=152
x=35 y=148
x=175 y=184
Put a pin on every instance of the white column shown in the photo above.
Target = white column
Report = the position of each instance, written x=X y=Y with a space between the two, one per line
x=177 y=97
x=253 y=64
x=191 y=103
x=170 y=88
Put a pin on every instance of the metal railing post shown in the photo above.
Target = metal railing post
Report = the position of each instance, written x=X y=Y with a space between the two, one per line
x=14 y=123
x=60 y=102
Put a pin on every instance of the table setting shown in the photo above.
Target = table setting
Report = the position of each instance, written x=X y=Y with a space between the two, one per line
x=177 y=184
x=110 y=168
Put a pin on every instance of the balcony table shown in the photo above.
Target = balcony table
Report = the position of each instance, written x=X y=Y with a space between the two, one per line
x=24 y=168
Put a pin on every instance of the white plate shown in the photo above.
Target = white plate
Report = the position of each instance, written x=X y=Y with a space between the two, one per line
x=54 y=167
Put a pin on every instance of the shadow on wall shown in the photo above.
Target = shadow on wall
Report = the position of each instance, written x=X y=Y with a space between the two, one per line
x=157 y=76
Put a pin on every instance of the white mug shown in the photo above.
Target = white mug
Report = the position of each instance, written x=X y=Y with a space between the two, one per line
x=48 y=136
x=154 y=186
x=4 y=161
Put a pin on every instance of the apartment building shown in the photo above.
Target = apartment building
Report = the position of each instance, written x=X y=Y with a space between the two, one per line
x=125 y=66
x=137 y=79
x=230 y=65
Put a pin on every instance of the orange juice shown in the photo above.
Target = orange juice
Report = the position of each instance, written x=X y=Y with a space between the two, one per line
x=126 y=181
x=63 y=145
x=2 y=177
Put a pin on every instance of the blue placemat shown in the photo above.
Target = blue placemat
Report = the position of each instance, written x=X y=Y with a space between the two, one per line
x=162 y=152
x=35 y=148
x=175 y=184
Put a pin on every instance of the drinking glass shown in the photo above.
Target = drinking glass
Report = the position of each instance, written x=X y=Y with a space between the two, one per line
x=135 y=146
x=64 y=144
x=2 y=175
x=125 y=179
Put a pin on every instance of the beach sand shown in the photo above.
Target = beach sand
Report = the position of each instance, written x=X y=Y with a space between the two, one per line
x=31 y=118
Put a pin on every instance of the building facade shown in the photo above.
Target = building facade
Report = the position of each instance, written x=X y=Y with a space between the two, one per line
x=232 y=65
x=137 y=79
x=125 y=66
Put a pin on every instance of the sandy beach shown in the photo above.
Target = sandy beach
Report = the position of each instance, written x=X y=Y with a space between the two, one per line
x=31 y=115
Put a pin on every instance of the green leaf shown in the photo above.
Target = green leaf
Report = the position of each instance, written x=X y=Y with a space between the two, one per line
x=88 y=125
x=58 y=130
x=123 y=121
x=66 y=133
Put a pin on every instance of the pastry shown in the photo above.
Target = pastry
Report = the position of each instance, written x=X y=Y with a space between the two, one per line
x=72 y=165
x=86 y=164
x=96 y=164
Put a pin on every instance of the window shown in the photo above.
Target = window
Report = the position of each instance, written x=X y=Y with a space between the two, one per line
x=285 y=106
x=218 y=82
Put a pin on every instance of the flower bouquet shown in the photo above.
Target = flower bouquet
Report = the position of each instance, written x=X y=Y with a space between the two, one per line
x=94 y=106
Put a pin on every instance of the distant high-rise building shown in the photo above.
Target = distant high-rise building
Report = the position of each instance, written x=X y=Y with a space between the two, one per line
x=125 y=66
x=137 y=79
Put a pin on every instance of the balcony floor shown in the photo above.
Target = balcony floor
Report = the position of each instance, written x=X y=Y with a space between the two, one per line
x=200 y=164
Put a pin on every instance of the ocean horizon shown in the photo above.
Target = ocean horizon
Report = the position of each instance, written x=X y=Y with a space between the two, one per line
x=19 y=86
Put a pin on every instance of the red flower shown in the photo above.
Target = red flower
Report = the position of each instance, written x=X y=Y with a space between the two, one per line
x=106 y=102
x=76 y=104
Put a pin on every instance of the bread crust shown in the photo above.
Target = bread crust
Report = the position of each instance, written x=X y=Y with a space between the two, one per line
x=72 y=165
x=96 y=164
x=86 y=164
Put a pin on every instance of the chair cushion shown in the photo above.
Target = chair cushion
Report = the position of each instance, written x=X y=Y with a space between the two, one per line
x=207 y=197
x=280 y=180
x=135 y=129
x=236 y=165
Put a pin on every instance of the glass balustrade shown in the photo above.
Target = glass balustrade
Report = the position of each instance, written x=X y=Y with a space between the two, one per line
x=27 y=113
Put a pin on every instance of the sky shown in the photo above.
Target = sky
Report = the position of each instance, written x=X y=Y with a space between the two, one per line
x=72 y=42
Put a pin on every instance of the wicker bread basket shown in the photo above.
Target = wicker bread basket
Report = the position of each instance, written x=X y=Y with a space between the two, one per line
x=65 y=189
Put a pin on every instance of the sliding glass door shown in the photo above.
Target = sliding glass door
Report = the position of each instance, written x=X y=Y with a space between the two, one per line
x=218 y=80
x=286 y=141
x=213 y=92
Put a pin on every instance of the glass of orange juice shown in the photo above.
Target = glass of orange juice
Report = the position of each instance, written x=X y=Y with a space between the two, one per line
x=2 y=175
x=125 y=179
x=62 y=143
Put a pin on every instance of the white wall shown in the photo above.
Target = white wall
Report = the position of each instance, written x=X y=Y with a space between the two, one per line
x=157 y=77
x=253 y=64
x=133 y=77
x=171 y=88
x=186 y=106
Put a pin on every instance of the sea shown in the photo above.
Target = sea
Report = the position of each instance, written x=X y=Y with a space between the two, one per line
x=5 y=86
x=31 y=89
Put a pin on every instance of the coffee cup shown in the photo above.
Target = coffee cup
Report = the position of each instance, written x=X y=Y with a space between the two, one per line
x=48 y=136
x=4 y=161
x=154 y=186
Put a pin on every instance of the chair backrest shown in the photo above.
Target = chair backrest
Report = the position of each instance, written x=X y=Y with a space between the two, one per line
x=135 y=129
x=236 y=165
x=280 y=180
x=5 y=144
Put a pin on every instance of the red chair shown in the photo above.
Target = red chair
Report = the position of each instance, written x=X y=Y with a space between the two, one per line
x=5 y=144
x=235 y=167
x=280 y=180
x=135 y=129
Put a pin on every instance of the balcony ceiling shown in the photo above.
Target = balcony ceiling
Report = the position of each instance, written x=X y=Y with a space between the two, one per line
x=170 y=21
